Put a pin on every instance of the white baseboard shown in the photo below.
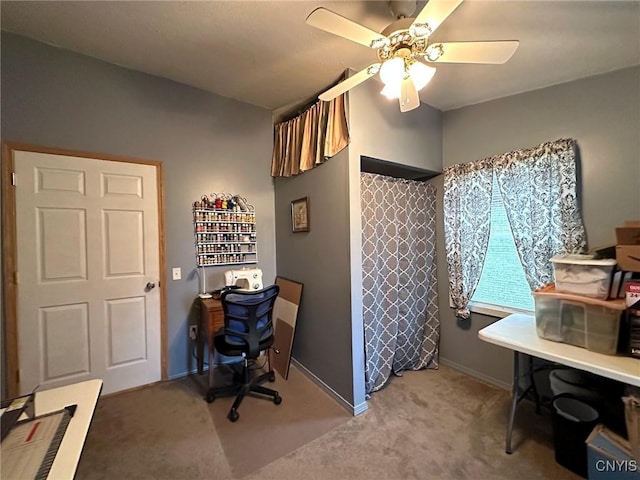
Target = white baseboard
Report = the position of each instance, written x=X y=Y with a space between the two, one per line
x=360 y=408
x=480 y=376
x=184 y=374
x=354 y=410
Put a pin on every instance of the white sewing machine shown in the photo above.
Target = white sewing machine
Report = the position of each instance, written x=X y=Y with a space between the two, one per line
x=247 y=279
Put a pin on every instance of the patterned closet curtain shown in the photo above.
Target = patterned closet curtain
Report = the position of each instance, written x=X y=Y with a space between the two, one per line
x=400 y=305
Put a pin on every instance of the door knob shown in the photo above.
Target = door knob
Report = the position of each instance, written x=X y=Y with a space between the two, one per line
x=150 y=286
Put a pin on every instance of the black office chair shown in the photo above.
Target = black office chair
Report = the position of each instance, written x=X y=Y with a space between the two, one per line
x=248 y=330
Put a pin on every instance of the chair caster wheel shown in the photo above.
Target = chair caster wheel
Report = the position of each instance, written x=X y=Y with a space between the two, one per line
x=272 y=377
x=277 y=399
x=210 y=397
x=233 y=415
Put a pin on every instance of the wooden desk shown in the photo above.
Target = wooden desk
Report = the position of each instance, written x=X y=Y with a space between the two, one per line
x=211 y=319
x=85 y=396
x=518 y=333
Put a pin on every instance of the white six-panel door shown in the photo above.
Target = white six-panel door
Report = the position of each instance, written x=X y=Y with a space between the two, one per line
x=88 y=268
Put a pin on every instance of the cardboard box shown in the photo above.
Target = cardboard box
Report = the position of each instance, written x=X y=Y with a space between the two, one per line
x=633 y=327
x=609 y=456
x=628 y=246
x=632 y=293
x=632 y=420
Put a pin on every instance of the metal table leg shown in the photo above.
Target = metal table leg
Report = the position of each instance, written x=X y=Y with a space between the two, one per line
x=532 y=381
x=515 y=392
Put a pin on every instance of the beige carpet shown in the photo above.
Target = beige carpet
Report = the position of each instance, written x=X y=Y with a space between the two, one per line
x=156 y=432
x=266 y=431
x=428 y=425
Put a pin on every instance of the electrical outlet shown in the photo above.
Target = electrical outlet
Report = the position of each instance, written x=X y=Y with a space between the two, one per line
x=177 y=273
x=193 y=332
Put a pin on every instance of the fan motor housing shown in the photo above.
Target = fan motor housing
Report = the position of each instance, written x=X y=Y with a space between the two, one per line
x=402 y=8
x=402 y=43
x=401 y=25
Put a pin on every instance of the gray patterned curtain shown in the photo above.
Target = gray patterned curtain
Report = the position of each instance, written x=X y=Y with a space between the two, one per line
x=538 y=188
x=467 y=222
x=400 y=308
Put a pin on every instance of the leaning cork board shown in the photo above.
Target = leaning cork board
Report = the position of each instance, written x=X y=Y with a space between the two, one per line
x=285 y=314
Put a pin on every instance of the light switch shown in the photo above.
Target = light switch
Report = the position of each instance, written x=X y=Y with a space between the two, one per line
x=177 y=273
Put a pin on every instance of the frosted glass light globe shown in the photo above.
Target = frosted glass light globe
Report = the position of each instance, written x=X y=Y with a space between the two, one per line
x=421 y=74
x=392 y=71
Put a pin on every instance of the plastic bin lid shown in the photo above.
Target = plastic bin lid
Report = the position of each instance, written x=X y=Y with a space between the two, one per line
x=550 y=291
x=577 y=259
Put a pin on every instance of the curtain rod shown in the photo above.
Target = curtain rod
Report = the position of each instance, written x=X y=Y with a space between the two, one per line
x=299 y=110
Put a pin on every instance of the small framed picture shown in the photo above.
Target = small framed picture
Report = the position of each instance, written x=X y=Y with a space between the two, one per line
x=300 y=215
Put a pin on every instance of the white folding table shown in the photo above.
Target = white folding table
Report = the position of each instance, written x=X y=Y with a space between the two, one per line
x=85 y=396
x=517 y=332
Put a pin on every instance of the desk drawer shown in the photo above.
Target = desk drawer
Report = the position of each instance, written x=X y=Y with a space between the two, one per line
x=211 y=317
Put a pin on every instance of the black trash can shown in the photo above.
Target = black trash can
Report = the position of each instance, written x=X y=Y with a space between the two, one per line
x=601 y=393
x=572 y=422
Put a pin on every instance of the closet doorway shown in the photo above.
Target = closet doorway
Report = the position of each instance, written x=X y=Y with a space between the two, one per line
x=400 y=304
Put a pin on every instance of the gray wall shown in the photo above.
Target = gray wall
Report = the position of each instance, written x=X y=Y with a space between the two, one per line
x=602 y=113
x=320 y=260
x=207 y=143
x=378 y=129
x=329 y=333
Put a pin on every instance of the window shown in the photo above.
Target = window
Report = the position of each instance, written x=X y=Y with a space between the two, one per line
x=503 y=287
x=540 y=183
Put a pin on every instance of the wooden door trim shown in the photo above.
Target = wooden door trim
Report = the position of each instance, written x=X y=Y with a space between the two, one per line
x=9 y=290
x=9 y=252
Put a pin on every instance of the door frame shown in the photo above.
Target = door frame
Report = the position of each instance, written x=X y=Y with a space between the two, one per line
x=9 y=253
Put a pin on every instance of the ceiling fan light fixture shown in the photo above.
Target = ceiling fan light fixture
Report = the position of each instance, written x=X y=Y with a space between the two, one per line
x=409 y=99
x=380 y=42
x=391 y=91
x=421 y=74
x=434 y=52
x=392 y=71
x=420 y=30
x=373 y=69
x=404 y=52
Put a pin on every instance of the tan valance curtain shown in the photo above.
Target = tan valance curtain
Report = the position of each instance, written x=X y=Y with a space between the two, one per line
x=309 y=139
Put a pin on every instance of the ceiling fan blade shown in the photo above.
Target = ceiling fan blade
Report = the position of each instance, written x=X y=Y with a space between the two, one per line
x=338 y=25
x=476 y=52
x=409 y=98
x=435 y=12
x=349 y=83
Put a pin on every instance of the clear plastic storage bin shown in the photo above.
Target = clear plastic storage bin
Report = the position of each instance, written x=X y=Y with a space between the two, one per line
x=583 y=275
x=584 y=322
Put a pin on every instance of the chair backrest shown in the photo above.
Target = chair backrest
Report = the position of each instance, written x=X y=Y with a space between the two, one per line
x=248 y=317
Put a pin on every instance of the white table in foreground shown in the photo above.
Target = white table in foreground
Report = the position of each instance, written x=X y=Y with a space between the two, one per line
x=85 y=396
x=517 y=332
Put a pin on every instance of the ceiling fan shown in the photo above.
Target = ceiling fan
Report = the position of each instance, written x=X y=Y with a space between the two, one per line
x=405 y=54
